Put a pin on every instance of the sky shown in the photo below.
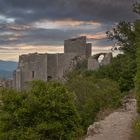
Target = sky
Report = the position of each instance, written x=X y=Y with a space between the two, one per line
x=28 y=26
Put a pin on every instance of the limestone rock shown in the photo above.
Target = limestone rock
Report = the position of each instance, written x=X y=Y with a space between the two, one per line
x=94 y=129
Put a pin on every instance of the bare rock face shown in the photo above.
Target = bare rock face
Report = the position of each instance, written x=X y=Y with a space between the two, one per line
x=116 y=126
x=94 y=129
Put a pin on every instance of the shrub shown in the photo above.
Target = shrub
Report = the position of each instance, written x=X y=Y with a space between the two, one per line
x=44 y=112
x=93 y=95
x=122 y=70
x=137 y=79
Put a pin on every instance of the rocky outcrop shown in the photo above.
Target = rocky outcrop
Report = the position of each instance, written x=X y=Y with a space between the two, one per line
x=116 y=126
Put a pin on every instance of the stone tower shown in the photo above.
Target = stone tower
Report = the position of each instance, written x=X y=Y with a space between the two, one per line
x=78 y=46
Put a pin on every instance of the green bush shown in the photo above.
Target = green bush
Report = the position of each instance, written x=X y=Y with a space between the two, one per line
x=137 y=79
x=122 y=70
x=44 y=112
x=93 y=95
x=137 y=126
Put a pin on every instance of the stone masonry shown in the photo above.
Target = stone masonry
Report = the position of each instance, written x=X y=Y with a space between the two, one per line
x=55 y=66
x=78 y=46
x=93 y=61
x=49 y=66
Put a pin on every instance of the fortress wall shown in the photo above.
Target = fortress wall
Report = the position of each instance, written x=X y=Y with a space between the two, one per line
x=50 y=66
x=76 y=45
x=58 y=64
x=88 y=50
x=93 y=64
x=52 y=63
x=32 y=66
x=107 y=59
x=64 y=64
x=18 y=79
x=14 y=79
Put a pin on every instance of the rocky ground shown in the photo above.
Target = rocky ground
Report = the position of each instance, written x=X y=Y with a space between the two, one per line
x=116 y=126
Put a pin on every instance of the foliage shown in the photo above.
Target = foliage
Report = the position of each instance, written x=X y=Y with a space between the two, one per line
x=44 y=112
x=136 y=8
x=122 y=70
x=93 y=95
x=124 y=35
x=137 y=79
x=136 y=128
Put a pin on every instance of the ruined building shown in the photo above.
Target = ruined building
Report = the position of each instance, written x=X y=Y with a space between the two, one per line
x=50 y=66
x=55 y=66
x=94 y=63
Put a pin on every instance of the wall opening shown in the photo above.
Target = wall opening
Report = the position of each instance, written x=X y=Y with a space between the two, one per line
x=100 y=58
x=33 y=74
x=49 y=78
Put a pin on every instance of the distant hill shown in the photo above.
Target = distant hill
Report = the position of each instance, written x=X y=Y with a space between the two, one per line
x=5 y=74
x=7 y=68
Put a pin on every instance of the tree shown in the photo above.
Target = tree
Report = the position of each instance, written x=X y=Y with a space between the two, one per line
x=44 y=112
x=137 y=79
x=124 y=35
x=122 y=69
x=92 y=95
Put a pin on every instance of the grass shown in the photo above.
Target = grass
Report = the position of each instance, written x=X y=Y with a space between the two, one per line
x=136 y=129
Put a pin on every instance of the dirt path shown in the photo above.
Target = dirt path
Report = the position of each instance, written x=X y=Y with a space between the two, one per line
x=117 y=126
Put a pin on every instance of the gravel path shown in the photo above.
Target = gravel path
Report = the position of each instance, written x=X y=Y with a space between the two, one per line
x=117 y=126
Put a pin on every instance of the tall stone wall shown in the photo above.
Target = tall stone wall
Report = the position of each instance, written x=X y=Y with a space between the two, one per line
x=50 y=66
x=64 y=64
x=88 y=50
x=78 y=46
x=107 y=59
x=30 y=67
x=58 y=65
x=94 y=64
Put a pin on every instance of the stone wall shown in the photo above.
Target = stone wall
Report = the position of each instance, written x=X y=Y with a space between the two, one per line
x=94 y=64
x=30 y=67
x=58 y=65
x=88 y=49
x=78 y=46
x=50 y=66
x=107 y=59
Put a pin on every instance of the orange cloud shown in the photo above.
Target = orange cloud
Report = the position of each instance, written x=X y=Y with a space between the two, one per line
x=62 y=23
x=17 y=27
x=13 y=53
x=99 y=35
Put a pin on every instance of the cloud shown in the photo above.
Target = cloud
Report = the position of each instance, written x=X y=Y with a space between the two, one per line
x=30 y=25
x=96 y=36
x=84 y=10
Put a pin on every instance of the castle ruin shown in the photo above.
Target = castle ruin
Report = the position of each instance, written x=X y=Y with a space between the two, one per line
x=47 y=67
x=50 y=66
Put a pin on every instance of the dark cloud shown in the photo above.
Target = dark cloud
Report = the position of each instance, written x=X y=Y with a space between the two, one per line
x=25 y=11
x=18 y=18
x=38 y=36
